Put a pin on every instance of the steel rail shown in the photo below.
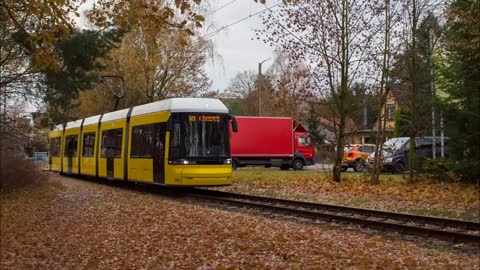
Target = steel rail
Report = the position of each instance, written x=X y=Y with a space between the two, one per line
x=456 y=223
x=447 y=229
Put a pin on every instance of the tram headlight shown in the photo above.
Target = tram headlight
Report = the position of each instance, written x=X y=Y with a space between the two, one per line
x=182 y=162
x=227 y=161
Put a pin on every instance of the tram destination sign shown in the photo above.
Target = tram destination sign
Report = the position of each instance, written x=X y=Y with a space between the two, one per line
x=204 y=118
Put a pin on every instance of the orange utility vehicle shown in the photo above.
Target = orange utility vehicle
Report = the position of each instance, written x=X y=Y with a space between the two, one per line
x=355 y=156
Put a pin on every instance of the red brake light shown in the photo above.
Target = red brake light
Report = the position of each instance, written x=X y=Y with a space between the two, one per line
x=350 y=154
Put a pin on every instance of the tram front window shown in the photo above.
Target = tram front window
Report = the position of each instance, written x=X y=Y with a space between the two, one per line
x=199 y=137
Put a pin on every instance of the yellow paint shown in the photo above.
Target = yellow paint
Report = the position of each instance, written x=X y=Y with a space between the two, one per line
x=118 y=162
x=146 y=119
x=87 y=164
x=141 y=169
x=202 y=175
x=56 y=161
x=71 y=131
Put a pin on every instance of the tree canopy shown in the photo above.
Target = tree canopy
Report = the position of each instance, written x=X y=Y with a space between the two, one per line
x=461 y=81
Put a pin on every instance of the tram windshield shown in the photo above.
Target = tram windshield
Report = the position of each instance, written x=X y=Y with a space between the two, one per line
x=199 y=136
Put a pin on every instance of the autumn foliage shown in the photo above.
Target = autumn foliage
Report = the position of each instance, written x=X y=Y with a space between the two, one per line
x=17 y=172
x=426 y=197
x=81 y=225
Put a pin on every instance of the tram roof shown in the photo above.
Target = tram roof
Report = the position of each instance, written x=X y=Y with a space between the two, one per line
x=121 y=114
x=91 y=120
x=74 y=124
x=202 y=105
x=207 y=105
x=58 y=127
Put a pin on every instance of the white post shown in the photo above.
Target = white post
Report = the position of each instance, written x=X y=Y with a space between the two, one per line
x=432 y=88
x=260 y=86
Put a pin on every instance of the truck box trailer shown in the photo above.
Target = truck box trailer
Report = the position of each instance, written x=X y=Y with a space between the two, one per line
x=271 y=142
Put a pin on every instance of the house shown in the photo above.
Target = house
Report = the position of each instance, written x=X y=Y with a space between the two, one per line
x=327 y=130
x=366 y=131
x=395 y=99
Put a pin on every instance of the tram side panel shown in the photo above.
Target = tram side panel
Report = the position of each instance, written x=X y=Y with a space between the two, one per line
x=112 y=152
x=89 y=148
x=71 y=147
x=55 y=151
x=146 y=151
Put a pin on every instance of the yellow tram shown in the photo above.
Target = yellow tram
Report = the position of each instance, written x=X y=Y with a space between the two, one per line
x=176 y=142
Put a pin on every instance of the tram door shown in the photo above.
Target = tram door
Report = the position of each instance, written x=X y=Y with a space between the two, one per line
x=159 y=153
x=70 y=161
x=110 y=164
x=111 y=149
x=71 y=150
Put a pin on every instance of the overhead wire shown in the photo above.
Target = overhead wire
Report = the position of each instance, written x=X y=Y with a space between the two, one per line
x=239 y=21
x=226 y=5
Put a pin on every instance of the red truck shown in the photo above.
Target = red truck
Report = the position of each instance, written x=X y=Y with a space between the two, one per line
x=272 y=142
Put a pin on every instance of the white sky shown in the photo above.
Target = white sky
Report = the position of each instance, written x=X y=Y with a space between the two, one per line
x=237 y=45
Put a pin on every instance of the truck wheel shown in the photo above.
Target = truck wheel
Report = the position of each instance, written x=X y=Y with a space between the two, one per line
x=359 y=165
x=234 y=164
x=398 y=168
x=285 y=167
x=297 y=164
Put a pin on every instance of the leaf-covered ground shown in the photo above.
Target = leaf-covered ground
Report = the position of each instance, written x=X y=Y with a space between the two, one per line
x=393 y=194
x=74 y=224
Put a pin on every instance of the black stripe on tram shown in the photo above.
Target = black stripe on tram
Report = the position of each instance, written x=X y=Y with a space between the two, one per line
x=98 y=144
x=125 y=146
x=80 y=145
x=62 y=146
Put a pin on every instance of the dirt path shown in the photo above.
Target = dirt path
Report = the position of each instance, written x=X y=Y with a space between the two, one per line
x=74 y=224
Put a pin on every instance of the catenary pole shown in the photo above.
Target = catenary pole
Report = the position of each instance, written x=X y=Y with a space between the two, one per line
x=259 y=79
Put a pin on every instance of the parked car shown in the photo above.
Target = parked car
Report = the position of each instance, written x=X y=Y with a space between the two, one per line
x=395 y=152
x=355 y=156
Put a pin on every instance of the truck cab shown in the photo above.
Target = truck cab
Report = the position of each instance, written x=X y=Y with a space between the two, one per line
x=304 y=149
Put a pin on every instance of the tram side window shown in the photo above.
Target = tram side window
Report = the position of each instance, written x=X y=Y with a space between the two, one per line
x=88 y=144
x=147 y=141
x=142 y=141
x=112 y=143
x=55 y=147
x=71 y=144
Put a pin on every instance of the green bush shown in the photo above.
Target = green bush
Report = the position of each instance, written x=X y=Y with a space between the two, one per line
x=438 y=169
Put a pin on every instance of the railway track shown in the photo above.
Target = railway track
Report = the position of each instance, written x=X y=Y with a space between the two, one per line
x=431 y=227
x=451 y=230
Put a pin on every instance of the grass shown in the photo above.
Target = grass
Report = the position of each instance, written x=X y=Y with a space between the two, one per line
x=258 y=173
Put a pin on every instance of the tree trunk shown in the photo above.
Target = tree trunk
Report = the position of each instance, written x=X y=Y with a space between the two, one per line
x=413 y=97
x=383 y=100
x=342 y=95
x=337 y=167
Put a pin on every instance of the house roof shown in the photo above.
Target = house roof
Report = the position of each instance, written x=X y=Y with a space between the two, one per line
x=349 y=126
